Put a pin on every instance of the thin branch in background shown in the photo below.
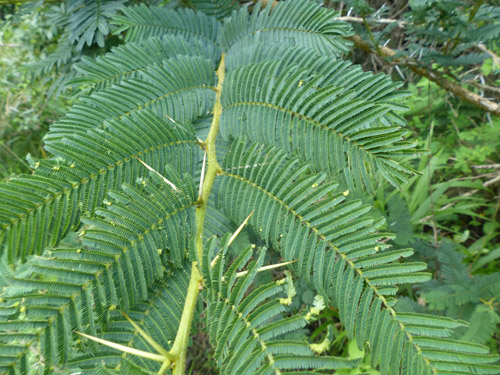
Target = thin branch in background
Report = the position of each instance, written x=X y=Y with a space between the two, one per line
x=474 y=177
x=487 y=166
x=374 y=20
x=493 y=181
x=403 y=8
x=460 y=142
x=434 y=76
x=484 y=87
x=9 y=150
x=494 y=56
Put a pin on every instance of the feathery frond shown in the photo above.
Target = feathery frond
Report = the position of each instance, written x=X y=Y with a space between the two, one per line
x=124 y=252
x=304 y=24
x=246 y=326
x=124 y=170
x=142 y=22
x=337 y=249
x=330 y=125
x=129 y=60
x=181 y=88
x=218 y=9
x=88 y=20
x=37 y=211
x=378 y=88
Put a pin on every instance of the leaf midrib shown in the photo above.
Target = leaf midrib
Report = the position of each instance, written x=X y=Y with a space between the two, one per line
x=344 y=256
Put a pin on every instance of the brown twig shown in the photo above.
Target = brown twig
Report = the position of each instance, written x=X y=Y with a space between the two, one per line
x=431 y=75
x=487 y=166
x=494 y=56
x=492 y=89
x=374 y=20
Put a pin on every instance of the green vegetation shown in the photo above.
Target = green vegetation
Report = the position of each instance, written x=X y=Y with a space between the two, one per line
x=220 y=190
x=26 y=111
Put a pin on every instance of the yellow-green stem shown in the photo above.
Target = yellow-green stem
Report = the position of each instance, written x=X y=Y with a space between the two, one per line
x=179 y=348
x=213 y=167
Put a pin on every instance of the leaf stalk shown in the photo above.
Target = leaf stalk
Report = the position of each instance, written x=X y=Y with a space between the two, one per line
x=179 y=348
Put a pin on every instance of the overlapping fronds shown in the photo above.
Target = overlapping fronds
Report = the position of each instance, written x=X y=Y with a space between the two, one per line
x=246 y=326
x=331 y=126
x=37 y=211
x=302 y=23
x=181 y=88
x=127 y=159
x=378 y=88
x=159 y=317
x=217 y=223
x=84 y=23
x=307 y=205
x=124 y=252
x=142 y=22
x=88 y=20
x=335 y=244
x=57 y=59
x=129 y=60
x=219 y=9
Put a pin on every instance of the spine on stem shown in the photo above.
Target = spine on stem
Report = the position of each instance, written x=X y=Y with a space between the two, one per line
x=179 y=348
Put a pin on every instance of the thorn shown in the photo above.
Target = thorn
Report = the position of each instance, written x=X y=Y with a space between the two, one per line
x=200 y=190
x=240 y=228
x=176 y=123
x=126 y=349
x=235 y=234
x=175 y=188
x=148 y=338
x=400 y=72
x=265 y=268
x=171 y=119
